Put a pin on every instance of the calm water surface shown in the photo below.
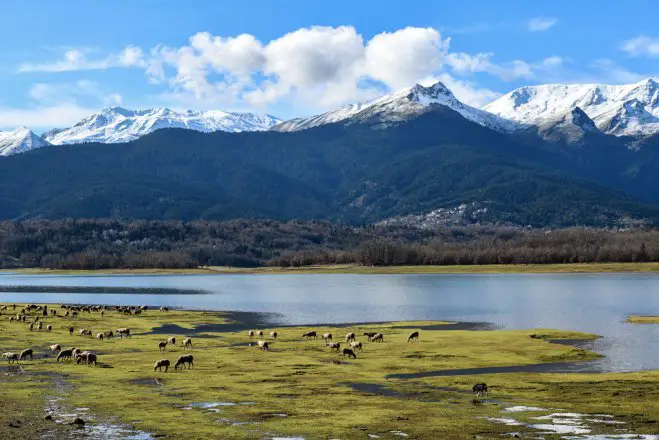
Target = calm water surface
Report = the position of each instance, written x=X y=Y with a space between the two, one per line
x=596 y=303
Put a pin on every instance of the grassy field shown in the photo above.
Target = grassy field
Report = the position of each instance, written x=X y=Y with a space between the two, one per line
x=639 y=319
x=356 y=269
x=299 y=388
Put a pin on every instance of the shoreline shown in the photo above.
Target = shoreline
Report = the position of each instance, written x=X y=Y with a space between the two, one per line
x=363 y=270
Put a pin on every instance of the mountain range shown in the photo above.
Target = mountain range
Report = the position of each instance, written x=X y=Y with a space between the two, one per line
x=533 y=157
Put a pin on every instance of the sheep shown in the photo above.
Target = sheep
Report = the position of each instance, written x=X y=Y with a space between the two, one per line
x=55 y=348
x=11 y=357
x=123 y=332
x=334 y=346
x=327 y=336
x=263 y=345
x=379 y=337
x=273 y=335
x=164 y=309
x=172 y=341
x=350 y=337
x=369 y=335
x=310 y=335
x=182 y=360
x=162 y=346
x=71 y=331
x=40 y=326
x=348 y=352
x=187 y=343
x=87 y=357
x=259 y=333
x=108 y=334
x=161 y=363
x=75 y=352
x=11 y=318
x=414 y=335
x=65 y=354
x=250 y=334
x=102 y=313
x=82 y=332
x=49 y=328
x=100 y=336
x=25 y=353
x=3 y=308
x=357 y=345
x=480 y=390
x=31 y=327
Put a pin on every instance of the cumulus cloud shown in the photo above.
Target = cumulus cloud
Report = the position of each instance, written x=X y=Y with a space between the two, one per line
x=642 y=46
x=541 y=24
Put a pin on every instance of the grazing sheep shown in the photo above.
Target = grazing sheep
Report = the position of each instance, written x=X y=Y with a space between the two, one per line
x=11 y=357
x=65 y=354
x=350 y=337
x=55 y=348
x=82 y=332
x=75 y=313
x=102 y=313
x=3 y=308
x=310 y=335
x=356 y=345
x=172 y=341
x=87 y=358
x=67 y=314
x=369 y=335
x=187 y=343
x=480 y=390
x=70 y=331
x=263 y=345
x=327 y=336
x=100 y=336
x=25 y=353
x=250 y=334
x=162 y=346
x=259 y=333
x=414 y=335
x=182 y=360
x=31 y=327
x=40 y=326
x=164 y=309
x=334 y=346
x=161 y=363
x=75 y=352
x=108 y=334
x=11 y=318
x=348 y=352
x=273 y=335
x=123 y=332
x=378 y=337
x=49 y=328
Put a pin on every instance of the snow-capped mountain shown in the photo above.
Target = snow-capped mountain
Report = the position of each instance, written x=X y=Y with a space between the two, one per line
x=399 y=106
x=116 y=124
x=621 y=110
x=19 y=141
x=573 y=127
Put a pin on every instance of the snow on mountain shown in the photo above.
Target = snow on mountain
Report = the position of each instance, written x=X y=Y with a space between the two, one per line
x=399 y=106
x=572 y=127
x=116 y=124
x=19 y=141
x=621 y=110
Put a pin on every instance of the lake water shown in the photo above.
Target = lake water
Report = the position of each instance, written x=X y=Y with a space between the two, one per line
x=596 y=303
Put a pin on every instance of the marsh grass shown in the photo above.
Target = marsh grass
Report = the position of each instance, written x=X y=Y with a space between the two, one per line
x=299 y=388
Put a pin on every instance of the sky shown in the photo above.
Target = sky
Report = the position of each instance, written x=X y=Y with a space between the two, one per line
x=61 y=61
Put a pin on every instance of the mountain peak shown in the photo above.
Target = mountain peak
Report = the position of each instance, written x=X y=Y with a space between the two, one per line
x=20 y=140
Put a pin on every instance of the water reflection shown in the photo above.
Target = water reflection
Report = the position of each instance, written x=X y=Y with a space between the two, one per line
x=595 y=303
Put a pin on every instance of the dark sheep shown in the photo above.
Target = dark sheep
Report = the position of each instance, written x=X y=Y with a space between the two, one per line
x=162 y=346
x=480 y=390
x=65 y=354
x=334 y=346
x=414 y=335
x=348 y=352
x=310 y=335
x=161 y=363
x=25 y=353
x=182 y=360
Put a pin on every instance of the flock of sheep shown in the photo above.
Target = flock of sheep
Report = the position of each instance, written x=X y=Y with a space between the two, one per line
x=32 y=312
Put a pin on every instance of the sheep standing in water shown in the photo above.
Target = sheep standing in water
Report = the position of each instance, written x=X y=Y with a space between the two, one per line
x=348 y=352
x=480 y=390
x=65 y=354
x=187 y=343
x=413 y=336
x=162 y=346
x=327 y=337
x=55 y=348
x=263 y=345
x=11 y=357
x=182 y=360
x=356 y=345
x=334 y=346
x=172 y=341
x=350 y=337
x=161 y=363
x=251 y=334
x=310 y=335
x=25 y=353
x=273 y=335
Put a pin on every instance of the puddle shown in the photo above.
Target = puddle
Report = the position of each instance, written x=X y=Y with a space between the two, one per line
x=399 y=433
x=381 y=390
x=550 y=367
x=208 y=405
x=522 y=408
x=504 y=420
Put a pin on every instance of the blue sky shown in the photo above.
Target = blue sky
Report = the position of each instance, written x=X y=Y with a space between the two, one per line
x=60 y=61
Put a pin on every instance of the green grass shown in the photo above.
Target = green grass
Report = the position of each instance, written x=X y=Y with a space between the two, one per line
x=356 y=269
x=639 y=319
x=303 y=380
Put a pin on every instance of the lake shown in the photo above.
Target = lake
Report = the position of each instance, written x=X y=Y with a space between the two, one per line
x=596 y=303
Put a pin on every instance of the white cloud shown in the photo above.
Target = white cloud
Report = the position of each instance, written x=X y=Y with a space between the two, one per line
x=642 y=46
x=541 y=24
x=611 y=72
x=76 y=60
x=43 y=117
x=466 y=91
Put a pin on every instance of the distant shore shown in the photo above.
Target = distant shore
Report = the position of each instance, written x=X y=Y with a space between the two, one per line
x=355 y=269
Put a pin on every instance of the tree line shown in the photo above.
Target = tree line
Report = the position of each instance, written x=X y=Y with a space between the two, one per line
x=105 y=244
